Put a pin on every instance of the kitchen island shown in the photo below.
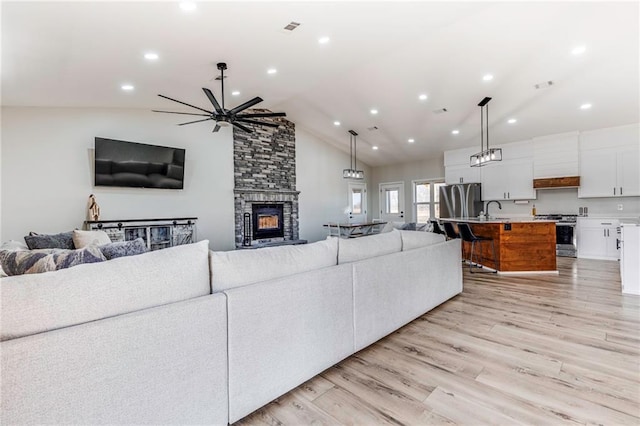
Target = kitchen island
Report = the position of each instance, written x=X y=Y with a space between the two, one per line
x=523 y=245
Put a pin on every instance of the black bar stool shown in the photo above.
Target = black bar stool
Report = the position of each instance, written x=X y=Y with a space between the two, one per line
x=449 y=231
x=436 y=227
x=467 y=235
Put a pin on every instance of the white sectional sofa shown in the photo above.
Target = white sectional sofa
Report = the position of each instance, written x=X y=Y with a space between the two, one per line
x=189 y=336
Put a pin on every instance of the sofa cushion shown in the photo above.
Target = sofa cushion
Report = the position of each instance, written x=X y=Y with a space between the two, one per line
x=231 y=269
x=36 y=303
x=124 y=248
x=416 y=239
x=354 y=249
x=86 y=238
x=18 y=262
x=63 y=240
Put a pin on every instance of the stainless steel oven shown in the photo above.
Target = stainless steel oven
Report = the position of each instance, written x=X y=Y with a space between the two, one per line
x=566 y=244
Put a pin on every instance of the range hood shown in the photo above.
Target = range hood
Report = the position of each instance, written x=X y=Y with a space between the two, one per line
x=557 y=182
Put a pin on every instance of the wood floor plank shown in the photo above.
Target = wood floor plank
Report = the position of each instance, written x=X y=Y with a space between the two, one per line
x=535 y=349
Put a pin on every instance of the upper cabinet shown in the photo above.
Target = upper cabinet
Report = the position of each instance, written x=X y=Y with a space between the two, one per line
x=610 y=162
x=457 y=168
x=556 y=156
x=508 y=180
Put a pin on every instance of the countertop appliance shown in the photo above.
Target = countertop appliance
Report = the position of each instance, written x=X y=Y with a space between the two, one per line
x=460 y=200
x=629 y=258
x=566 y=244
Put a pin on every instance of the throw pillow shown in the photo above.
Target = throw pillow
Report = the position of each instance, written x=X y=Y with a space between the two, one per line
x=36 y=261
x=63 y=240
x=90 y=238
x=124 y=248
x=411 y=226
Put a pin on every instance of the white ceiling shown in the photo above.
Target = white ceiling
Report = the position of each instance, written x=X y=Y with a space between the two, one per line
x=381 y=55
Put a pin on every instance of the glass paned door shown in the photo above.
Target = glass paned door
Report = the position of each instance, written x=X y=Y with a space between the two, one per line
x=357 y=202
x=392 y=202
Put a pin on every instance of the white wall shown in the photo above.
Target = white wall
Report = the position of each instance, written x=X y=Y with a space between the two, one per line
x=47 y=173
x=432 y=168
x=323 y=190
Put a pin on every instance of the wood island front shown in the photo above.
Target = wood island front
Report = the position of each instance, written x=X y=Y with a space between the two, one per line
x=521 y=245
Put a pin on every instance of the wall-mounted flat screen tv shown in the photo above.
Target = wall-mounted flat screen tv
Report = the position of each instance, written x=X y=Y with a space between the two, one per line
x=132 y=164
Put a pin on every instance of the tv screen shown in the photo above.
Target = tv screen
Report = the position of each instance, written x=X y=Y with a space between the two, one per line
x=131 y=164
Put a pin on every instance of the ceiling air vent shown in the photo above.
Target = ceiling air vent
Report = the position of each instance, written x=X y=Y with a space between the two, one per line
x=371 y=129
x=544 y=84
x=439 y=111
x=292 y=26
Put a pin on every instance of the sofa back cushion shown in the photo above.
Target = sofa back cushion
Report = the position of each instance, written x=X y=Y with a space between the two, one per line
x=31 y=304
x=354 y=249
x=416 y=239
x=230 y=269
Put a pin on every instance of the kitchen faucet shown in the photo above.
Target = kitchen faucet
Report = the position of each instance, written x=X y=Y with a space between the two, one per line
x=486 y=206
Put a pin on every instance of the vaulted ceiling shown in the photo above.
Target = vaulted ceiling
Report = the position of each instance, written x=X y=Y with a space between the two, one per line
x=380 y=55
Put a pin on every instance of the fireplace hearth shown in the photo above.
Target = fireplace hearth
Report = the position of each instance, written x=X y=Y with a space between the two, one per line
x=268 y=221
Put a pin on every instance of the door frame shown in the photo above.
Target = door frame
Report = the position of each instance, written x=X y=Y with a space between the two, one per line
x=401 y=216
x=357 y=218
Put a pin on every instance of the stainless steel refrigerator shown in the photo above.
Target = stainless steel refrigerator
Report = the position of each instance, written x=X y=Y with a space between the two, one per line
x=460 y=200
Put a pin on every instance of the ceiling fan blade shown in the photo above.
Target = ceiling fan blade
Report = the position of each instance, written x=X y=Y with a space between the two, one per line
x=241 y=127
x=246 y=105
x=185 y=113
x=256 y=122
x=215 y=129
x=184 y=103
x=263 y=114
x=197 y=121
x=213 y=100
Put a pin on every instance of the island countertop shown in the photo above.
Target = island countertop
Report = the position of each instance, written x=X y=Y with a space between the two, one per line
x=496 y=220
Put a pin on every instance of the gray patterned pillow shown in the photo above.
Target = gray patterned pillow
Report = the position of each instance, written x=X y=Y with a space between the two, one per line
x=36 y=261
x=43 y=241
x=124 y=248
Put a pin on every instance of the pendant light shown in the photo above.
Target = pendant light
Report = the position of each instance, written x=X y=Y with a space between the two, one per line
x=487 y=155
x=352 y=172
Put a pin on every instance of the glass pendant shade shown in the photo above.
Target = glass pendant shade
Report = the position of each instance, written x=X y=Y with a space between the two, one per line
x=352 y=172
x=486 y=155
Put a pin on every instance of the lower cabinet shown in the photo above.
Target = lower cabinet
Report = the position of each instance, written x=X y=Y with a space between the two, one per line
x=598 y=238
x=156 y=233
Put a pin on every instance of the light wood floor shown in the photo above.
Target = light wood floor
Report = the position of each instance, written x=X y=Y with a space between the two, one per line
x=543 y=350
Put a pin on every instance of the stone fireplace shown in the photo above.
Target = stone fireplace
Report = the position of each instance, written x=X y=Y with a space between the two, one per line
x=265 y=196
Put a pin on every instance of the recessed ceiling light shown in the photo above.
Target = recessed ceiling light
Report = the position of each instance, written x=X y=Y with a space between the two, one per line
x=585 y=106
x=188 y=6
x=455 y=132
x=487 y=77
x=512 y=121
x=578 y=50
x=374 y=111
x=151 y=56
x=411 y=140
x=375 y=148
x=324 y=40
x=336 y=123
x=127 y=87
x=422 y=97
x=272 y=71
x=235 y=93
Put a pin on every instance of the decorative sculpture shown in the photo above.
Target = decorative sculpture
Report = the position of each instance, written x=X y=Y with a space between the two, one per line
x=94 y=208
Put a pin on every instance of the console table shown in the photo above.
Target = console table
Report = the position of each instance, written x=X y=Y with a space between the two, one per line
x=156 y=233
x=354 y=230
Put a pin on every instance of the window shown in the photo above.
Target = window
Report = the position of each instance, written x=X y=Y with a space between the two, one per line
x=391 y=201
x=426 y=200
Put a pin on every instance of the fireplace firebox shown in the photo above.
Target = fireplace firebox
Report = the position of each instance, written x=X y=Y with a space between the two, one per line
x=268 y=221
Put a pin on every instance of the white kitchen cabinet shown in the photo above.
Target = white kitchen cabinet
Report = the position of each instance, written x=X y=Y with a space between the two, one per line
x=610 y=163
x=508 y=180
x=556 y=155
x=629 y=255
x=461 y=174
x=598 y=238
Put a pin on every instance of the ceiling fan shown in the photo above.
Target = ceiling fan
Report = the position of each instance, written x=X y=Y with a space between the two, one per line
x=225 y=117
